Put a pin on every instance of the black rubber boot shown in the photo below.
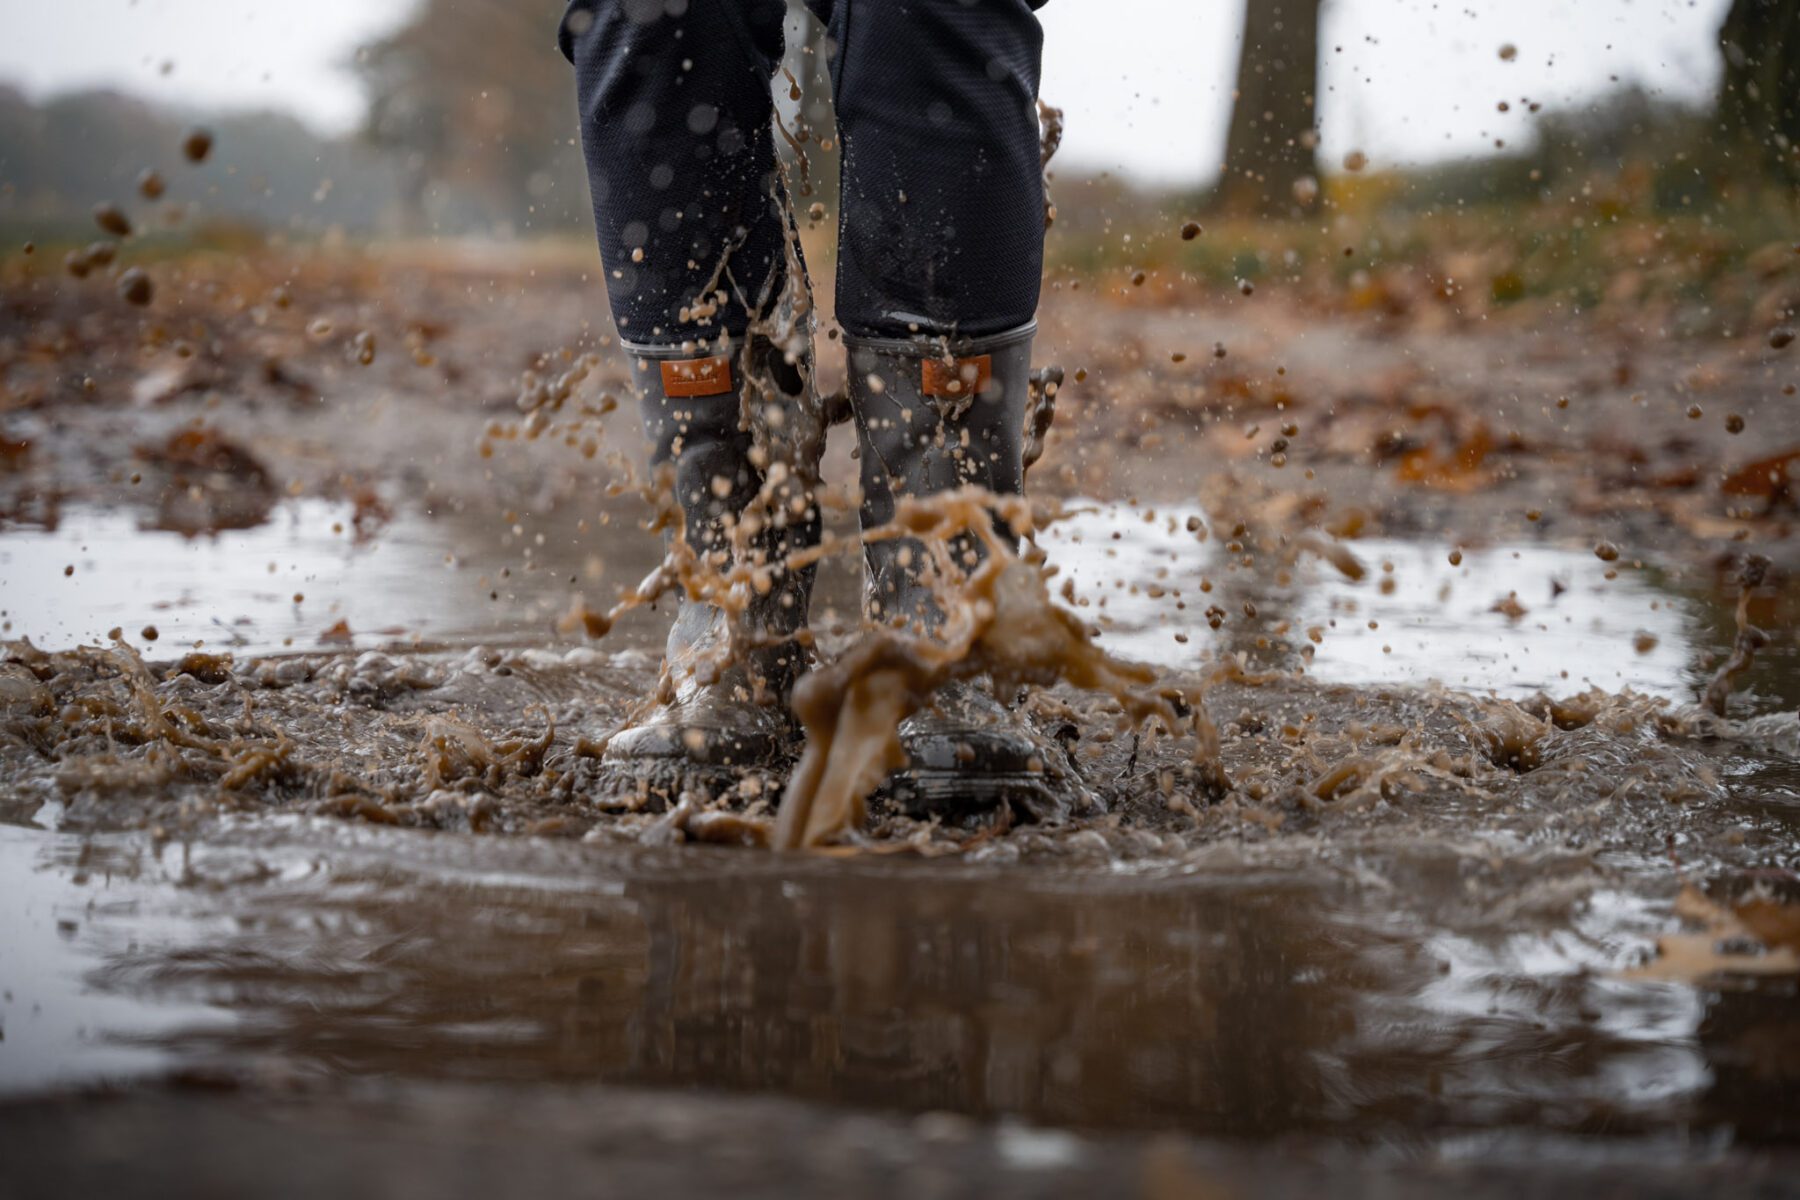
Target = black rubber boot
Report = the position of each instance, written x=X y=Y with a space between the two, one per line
x=715 y=724
x=932 y=418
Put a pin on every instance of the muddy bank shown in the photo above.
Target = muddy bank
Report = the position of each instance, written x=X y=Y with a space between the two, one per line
x=509 y=741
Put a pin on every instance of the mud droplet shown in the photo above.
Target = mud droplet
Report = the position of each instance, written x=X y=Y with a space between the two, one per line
x=1695 y=412
x=1734 y=423
x=111 y=220
x=1606 y=552
x=135 y=287
x=150 y=184
x=363 y=346
x=1190 y=231
x=1508 y=52
x=1780 y=337
x=149 y=633
x=1356 y=160
x=1456 y=558
x=196 y=144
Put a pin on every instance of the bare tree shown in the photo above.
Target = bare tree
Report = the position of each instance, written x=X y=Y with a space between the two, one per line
x=1270 y=151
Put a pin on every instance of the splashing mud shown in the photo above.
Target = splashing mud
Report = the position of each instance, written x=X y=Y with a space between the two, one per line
x=1355 y=853
x=999 y=623
x=1219 y=595
x=1751 y=574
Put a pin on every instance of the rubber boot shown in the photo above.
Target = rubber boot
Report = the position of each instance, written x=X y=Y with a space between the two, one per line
x=932 y=418
x=713 y=725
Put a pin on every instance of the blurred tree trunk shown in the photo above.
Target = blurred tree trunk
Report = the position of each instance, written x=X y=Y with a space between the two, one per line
x=1270 y=152
x=1759 y=95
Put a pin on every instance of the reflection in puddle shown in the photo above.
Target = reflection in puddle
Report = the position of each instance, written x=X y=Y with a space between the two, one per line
x=1578 y=628
x=1230 y=1002
x=450 y=577
x=1431 y=620
x=1137 y=574
x=59 y=921
x=459 y=579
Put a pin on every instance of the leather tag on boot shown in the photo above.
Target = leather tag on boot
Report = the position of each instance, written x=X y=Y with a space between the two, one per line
x=696 y=376
x=955 y=380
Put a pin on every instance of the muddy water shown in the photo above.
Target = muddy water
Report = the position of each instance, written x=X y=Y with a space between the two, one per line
x=1432 y=620
x=1225 y=1000
x=1443 y=941
x=450 y=578
x=281 y=585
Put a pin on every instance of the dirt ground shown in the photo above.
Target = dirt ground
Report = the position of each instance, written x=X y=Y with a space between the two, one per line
x=1499 y=873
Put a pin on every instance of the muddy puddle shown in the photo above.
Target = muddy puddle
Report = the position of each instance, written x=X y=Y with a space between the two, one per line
x=1514 y=620
x=285 y=584
x=1470 y=870
x=1414 y=616
x=1376 y=1002
x=1420 y=912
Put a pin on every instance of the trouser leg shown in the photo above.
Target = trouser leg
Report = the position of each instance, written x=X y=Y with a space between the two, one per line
x=940 y=255
x=940 y=252
x=675 y=125
x=941 y=227
x=688 y=204
x=676 y=111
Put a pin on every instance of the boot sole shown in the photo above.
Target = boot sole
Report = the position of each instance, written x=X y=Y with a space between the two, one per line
x=954 y=794
x=657 y=784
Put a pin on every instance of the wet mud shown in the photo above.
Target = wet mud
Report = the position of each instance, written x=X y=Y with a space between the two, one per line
x=1430 y=698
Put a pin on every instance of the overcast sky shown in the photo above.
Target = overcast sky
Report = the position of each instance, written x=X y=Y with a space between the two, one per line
x=1145 y=83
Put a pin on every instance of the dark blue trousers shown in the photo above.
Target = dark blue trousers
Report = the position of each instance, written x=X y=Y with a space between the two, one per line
x=941 y=223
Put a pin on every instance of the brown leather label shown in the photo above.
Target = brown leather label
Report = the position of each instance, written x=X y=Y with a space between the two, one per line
x=696 y=376
x=963 y=377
